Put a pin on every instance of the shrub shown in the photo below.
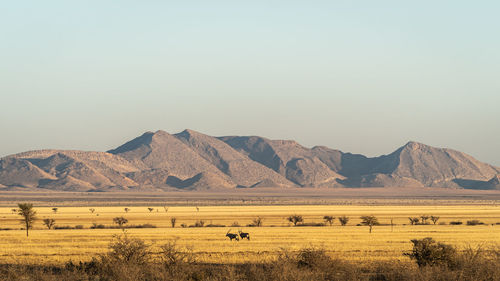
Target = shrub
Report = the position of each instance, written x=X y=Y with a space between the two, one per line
x=313 y=258
x=64 y=227
x=455 y=222
x=144 y=225
x=215 y=225
x=427 y=252
x=343 y=220
x=198 y=223
x=474 y=222
x=171 y=254
x=256 y=222
x=79 y=226
x=97 y=226
x=329 y=219
x=295 y=219
x=311 y=224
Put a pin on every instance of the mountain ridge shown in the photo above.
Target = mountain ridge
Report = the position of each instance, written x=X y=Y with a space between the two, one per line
x=192 y=160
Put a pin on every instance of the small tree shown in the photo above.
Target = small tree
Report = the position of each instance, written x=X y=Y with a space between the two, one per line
x=424 y=218
x=29 y=215
x=434 y=219
x=343 y=220
x=329 y=219
x=173 y=220
x=126 y=210
x=49 y=223
x=120 y=221
x=92 y=210
x=414 y=220
x=150 y=209
x=197 y=209
x=165 y=208
x=54 y=210
x=369 y=221
x=295 y=219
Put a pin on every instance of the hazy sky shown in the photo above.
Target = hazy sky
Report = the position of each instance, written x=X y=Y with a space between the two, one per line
x=360 y=76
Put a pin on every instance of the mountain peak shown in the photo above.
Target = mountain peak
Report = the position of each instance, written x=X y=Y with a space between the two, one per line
x=413 y=145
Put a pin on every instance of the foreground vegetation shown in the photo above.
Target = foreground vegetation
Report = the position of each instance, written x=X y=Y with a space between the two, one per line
x=133 y=259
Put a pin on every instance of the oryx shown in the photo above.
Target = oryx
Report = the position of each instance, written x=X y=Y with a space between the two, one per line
x=244 y=235
x=232 y=236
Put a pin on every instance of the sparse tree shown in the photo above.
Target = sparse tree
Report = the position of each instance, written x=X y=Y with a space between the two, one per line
x=126 y=210
x=165 y=208
x=343 y=220
x=197 y=209
x=257 y=221
x=120 y=221
x=29 y=215
x=295 y=219
x=150 y=209
x=92 y=210
x=434 y=219
x=414 y=220
x=424 y=218
x=54 y=210
x=49 y=223
x=329 y=219
x=173 y=220
x=369 y=221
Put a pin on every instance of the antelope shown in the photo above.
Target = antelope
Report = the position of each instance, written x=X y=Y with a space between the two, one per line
x=232 y=236
x=244 y=235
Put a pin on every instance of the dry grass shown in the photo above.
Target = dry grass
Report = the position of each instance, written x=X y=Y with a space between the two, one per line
x=210 y=245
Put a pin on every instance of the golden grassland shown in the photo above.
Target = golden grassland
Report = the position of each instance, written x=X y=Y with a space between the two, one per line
x=209 y=244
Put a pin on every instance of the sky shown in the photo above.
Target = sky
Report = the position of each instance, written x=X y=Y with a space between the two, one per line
x=359 y=76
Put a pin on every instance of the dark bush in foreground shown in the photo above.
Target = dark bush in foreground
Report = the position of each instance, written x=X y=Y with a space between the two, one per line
x=455 y=222
x=427 y=252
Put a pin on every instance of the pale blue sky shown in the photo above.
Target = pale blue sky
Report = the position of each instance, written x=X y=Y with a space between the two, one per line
x=360 y=76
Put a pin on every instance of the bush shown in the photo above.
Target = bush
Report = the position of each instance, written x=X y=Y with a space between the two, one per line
x=64 y=227
x=198 y=223
x=257 y=222
x=311 y=224
x=215 y=225
x=455 y=222
x=79 y=226
x=427 y=252
x=474 y=222
x=97 y=226
x=313 y=258
x=128 y=250
x=144 y=225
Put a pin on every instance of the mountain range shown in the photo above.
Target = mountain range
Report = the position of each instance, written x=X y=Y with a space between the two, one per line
x=192 y=160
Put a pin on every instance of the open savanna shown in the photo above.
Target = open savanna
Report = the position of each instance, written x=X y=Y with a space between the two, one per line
x=209 y=244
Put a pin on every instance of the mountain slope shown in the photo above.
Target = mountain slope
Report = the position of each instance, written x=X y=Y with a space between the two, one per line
x=236 y=165
x=432 y=166
x=288 y=158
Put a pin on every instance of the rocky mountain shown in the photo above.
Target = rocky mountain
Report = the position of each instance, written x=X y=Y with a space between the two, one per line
x=192 y=160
